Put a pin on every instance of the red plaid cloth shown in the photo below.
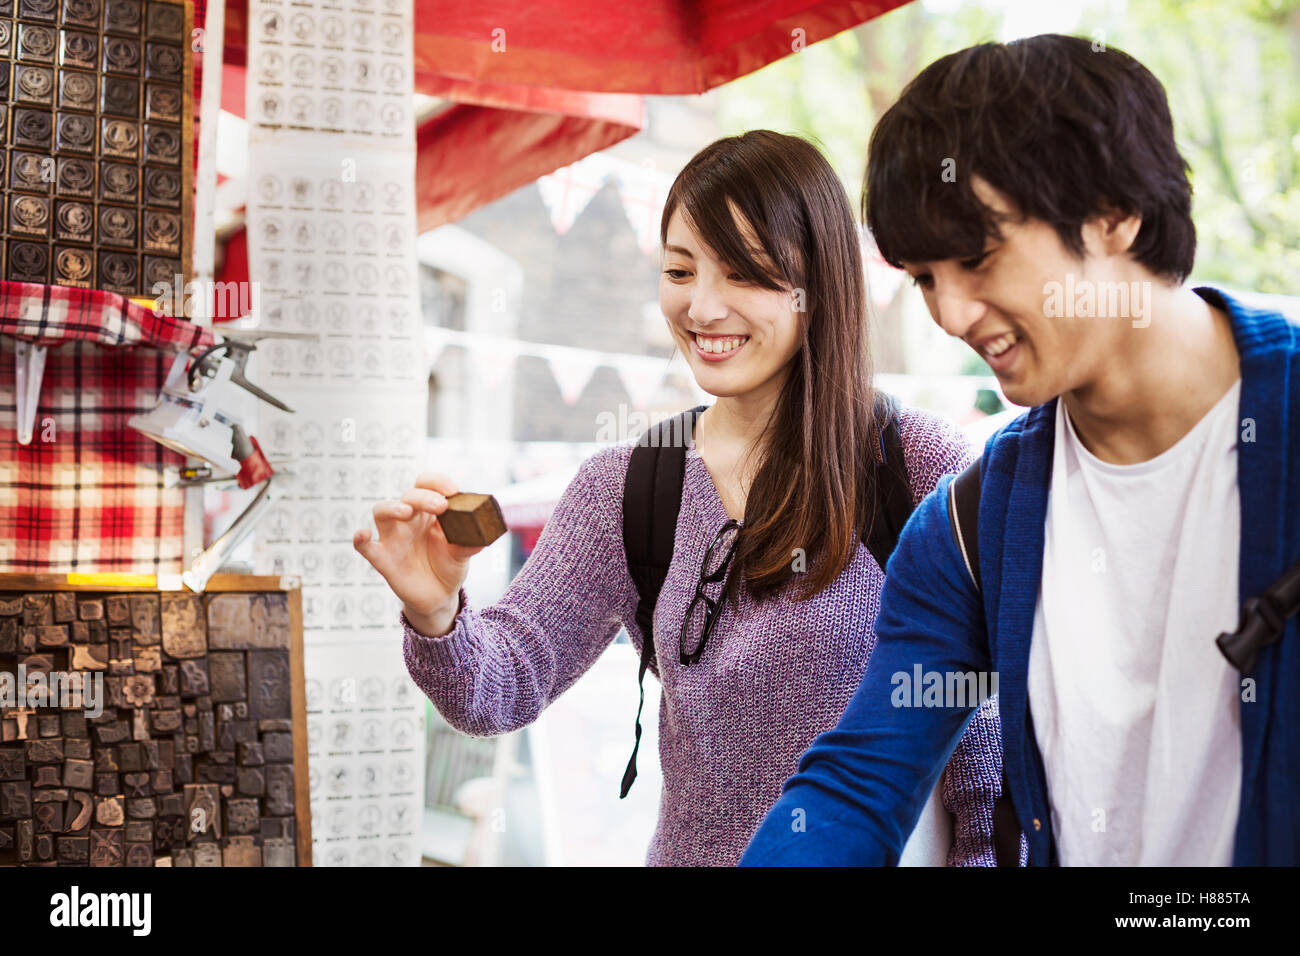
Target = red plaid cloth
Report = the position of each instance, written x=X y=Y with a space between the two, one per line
x=87 y=494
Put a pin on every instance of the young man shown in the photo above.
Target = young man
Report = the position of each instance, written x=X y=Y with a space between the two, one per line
x=1034 y=192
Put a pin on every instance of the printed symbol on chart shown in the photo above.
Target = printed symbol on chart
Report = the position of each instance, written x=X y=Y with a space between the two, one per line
x=280 y=563
x=331 y=70
x=302 y=67
x=341 y=735
x=277 y=524
x=269 y=188
x=302 y=27
x=331 y=111
x=336 y=275
x=272 y=65
x=402 y=731
x=393 y=194
x=394 y=238
x=364 y=235
x=367 y=276
x=372 y=608
x=313 y=608
x=272 y=231
x=310 y=357
x=399 y=815
x=340 y=779
x=369 y=818
x=271 y=107
x=272 y=24
x=304 y=313
x=362 y=72
x=337 y=856
x=309 y=480
x=310 y=572
x=313 y=734
x=281 y=437
x=392 y=116
x=280 y=356
x=343 y=480
x=334 y=233
x=310 y=523
x=313 y=779
x=402 y=692
x=372 y=737
x=391 y=34
x=373 y=437
x=300 y=190
x=313 y=438
x=331 y=29
x=301 y=109
x=342 y=612
x=402 y=361
x=369 y=855
x=397 y=278
x=391 y=74
x=368 y=319
x=397 y=854
x=372 y=362
x=372 y=778
x=341 y=359
x=363 y=195
x=372 y=692
x=398 y=318
x=336 y=314
x=340 y=819
x=331 y=193
x=343 y=524
x=399 y=778
x=341 y=562
x=403 y=477
x=314 y=694
x=363 y=114
x=363 y=32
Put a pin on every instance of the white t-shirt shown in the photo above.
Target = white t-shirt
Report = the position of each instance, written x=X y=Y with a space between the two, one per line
x=1136 y=711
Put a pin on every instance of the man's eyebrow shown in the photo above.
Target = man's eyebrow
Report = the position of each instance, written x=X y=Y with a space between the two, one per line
x=680 y=251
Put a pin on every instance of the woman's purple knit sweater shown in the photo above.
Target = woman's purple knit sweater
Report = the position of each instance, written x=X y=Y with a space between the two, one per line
x=731 y=726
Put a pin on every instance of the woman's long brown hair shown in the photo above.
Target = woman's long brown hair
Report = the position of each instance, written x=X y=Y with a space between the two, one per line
x=816 y=468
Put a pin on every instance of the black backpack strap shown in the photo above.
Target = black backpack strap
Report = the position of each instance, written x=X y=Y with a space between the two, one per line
x=964 y=516
x=652 y=496
x=893 y=490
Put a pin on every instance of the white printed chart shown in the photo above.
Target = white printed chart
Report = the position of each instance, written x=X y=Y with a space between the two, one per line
x=331 y=227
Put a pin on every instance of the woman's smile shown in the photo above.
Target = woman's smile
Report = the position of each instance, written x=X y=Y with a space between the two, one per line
x=717 y=348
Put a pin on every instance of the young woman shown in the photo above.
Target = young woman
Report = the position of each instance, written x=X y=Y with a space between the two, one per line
x=763 y=289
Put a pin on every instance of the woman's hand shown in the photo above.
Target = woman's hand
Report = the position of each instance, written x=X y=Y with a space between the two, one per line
x=424 y=570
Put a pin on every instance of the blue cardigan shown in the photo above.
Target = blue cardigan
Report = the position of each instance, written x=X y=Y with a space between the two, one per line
x=860 y=787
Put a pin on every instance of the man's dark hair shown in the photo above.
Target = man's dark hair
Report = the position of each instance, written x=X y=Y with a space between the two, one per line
x=1064 y=131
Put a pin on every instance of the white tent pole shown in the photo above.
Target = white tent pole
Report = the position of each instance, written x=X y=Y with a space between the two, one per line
x=205 y=230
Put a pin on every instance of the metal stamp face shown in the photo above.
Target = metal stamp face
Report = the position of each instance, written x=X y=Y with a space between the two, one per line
x=163 y=61
x=119 y=182
x=162 y=232
x=29 y=215
x=166 y=21
x=36 y=43
x=33 y=128
x=162 y=144
x=38 y=9
x=76 y=177
x=122 y=55
x=74 y=267
x=120 y=138
x=116 y=226
x=121 y=96
x=34 y=84
x=83 y=12
x=80 y=49
x=158 y=270
x=76 y=133
x=163 y=103
x=162 y=187
x=119 y=271
x=28 y=262
x=78 y=90
x=30 y=171
x=74 y=221
x=123 y=16
x=6 y=37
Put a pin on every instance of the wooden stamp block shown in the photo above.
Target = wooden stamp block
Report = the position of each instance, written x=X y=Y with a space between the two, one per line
x=241 y=816
x=80 y=632
x=52 y=635
x=78 y=774
x=250 y=782
x=11 y=605
x=226 y=672
x=13 y=763
x=15 y=800
x=144 y=618
x=48 y=725
x=106 y=848
x=249 y=754
x=46 y=750
x=182 y=858
x=136 y=785
x=141 y=809
x=139 y=854
x=117 y=608
x=65 y=607
x=74 y=851
x=110 y=811
x=268 y=675
x=73 y=723
x=169 y=680
x=148 y=660
x=184 y=625
x=38 y=609
x=8 y=635
x=194 y=678
x=90 y=610
x=241 y=851
x=80 y=810
x=139 y=831
x=472 y=520
x=47 y=776
x=76 y=748
x=207 y=854
x=279 y=790
x=203 y=810
x=277 y=747
x=130 y=757
x=107 y=784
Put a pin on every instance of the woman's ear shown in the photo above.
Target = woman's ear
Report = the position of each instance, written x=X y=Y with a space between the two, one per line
x=1111 y=233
